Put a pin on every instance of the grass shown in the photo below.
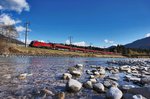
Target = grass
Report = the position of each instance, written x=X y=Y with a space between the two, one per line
x=14 y=49
x=50 y=52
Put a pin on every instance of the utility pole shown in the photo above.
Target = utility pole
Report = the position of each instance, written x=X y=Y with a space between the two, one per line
x=26 y=33
x=91 y=45
x=70 y=40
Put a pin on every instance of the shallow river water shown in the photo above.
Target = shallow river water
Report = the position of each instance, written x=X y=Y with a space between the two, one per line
x=45 y=72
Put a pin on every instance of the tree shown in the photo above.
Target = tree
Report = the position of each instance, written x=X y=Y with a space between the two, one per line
x=9 y=31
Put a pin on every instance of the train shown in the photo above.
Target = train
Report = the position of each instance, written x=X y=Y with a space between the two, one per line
x=57 y=46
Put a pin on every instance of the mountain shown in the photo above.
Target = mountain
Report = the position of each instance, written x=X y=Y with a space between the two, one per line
x=2 y=37
x=141 y=43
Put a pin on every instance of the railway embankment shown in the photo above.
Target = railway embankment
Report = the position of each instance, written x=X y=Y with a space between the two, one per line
x=15 y=49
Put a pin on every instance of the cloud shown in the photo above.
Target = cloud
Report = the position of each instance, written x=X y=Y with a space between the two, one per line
x=7 y=20
x=1 y=7
x=147 y=35
x=108 y=41
x=67 y=42
x=14 y=5
x=41 y=40
x=28 y=41
x=114 y=44
x=20 y=28
x=82 y=43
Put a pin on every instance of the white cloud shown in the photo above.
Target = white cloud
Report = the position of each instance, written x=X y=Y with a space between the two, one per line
x=28 y=41
x=108 y=41
x=1 y=7
x=7 y=20
x=67 y=42
x=15 y=5
x=147 y=35
x=41 y=40
x=20 y=28
x=80 y=43
x=115 y=44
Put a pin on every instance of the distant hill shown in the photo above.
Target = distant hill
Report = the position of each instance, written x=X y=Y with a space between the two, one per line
x=141 y=43
x=2 y=37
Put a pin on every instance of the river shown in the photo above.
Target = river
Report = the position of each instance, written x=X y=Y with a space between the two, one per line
x=45 y=72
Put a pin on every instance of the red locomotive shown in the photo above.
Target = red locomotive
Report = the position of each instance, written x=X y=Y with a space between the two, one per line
x=65 y=47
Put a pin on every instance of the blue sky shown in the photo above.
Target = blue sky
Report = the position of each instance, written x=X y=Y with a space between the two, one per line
x=100 y=22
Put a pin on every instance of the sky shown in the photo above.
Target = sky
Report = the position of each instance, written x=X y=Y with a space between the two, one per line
x=101 y=23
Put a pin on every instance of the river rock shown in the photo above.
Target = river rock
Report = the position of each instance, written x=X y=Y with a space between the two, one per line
x=7 y=76
x=102 y=71
x=114 y=93
x=144 y=91
x=113 y=77
x=93 y=80
x=138 y=97
x=80 y=66
x=132 y=78
x=47 y=92
x=108 y=83
x=145 y=80
x=93 y=66
x=134 y=67
x=96 y=73
x=135 y=71
x=98 y=87
x=76 y=73
x=67 y=76
x=60 y=95
x=92 y=76
x=24 y=76
x=127 y=87
x=73 y=85
x=145 y=72
x=88 y=85
x=125 y=68
x=89 y=72
x=114 y=71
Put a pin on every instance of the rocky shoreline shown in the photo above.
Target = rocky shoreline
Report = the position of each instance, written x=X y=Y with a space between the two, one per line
x=136 y=71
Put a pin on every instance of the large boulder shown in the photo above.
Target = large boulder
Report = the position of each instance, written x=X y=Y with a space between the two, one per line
x=98 y=87
x=114 y=93
x=73 y=85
